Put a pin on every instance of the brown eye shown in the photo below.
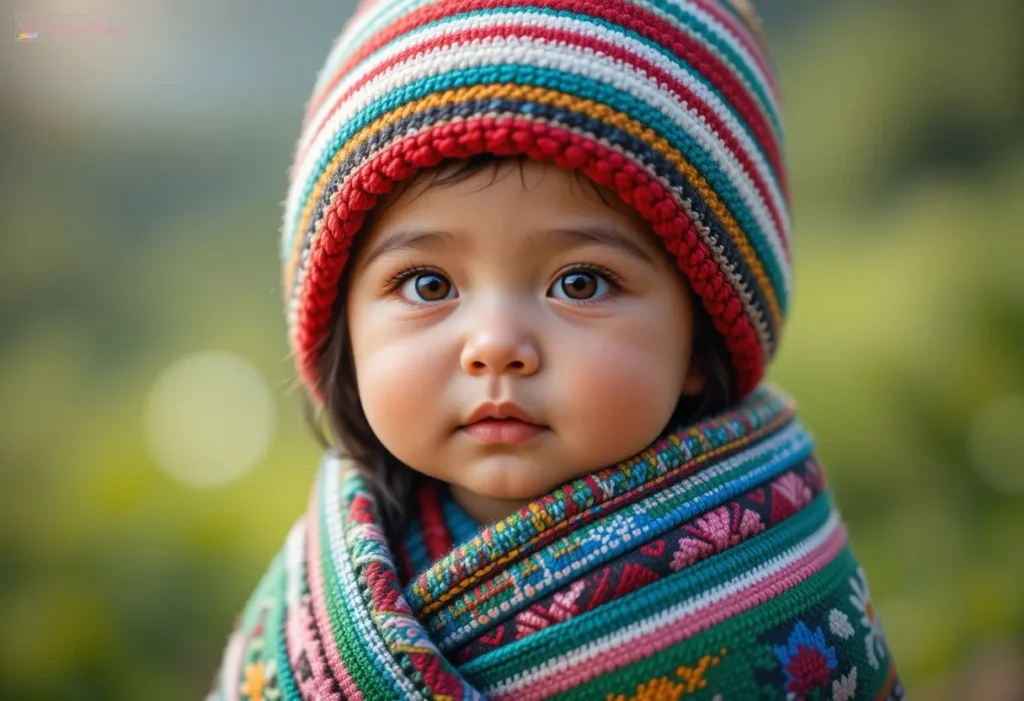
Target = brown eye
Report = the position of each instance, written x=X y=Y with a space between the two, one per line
x=579 y=285
x=582 y=285
x=427 y=287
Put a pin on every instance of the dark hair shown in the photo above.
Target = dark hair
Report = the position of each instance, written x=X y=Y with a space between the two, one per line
x=392 y=482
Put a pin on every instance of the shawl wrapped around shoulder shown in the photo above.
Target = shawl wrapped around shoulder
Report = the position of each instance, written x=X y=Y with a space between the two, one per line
x=711 y=566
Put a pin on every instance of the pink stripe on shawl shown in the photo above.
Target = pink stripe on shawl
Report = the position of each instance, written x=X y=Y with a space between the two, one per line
x=674 y=631
x=321 y=619
x=233 y=665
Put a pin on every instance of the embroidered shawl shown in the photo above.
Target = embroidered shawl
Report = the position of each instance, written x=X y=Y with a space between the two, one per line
x=713 y=566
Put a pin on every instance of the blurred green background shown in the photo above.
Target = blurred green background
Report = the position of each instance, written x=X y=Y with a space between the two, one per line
x=152 y=447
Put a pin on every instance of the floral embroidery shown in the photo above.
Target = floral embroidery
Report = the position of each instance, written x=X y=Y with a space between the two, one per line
x=694 y=676
x=563 y=607
x=821 y=655
x=660 y=689
x=665 y=689
x=839 y=624
x=259 y=680
x=715 y=531
x=806 y=659
x=730 y=523
x=792 y=489
x=845 y=687
x=874 y=640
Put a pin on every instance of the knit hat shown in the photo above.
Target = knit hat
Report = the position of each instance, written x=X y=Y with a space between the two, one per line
x=670 y=103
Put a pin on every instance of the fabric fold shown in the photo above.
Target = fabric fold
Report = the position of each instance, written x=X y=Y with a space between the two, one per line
x=712 y=563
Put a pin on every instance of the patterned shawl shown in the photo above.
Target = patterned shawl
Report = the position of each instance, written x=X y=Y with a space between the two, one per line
x=711 y=566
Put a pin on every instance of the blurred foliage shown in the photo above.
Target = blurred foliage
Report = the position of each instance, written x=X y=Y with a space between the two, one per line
x=127 y=246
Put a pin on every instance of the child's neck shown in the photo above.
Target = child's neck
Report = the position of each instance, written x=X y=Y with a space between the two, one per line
x=485 y=510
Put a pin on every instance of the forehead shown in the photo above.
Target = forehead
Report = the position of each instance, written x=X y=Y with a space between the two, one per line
x=503 y=201
x=508 y=178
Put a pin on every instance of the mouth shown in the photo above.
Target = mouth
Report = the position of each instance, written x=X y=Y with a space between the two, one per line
x=502 y=431
x=504 y=423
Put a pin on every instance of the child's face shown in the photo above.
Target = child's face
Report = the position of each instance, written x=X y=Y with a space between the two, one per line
x=529 y=290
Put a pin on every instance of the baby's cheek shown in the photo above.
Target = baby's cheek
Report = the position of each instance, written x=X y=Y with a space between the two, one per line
x=620 y=396
x=399 y=390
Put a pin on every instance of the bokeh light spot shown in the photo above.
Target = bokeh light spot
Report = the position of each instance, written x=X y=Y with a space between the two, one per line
x=209 y=419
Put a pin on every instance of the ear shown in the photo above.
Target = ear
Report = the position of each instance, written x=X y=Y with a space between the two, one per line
x=696 y=379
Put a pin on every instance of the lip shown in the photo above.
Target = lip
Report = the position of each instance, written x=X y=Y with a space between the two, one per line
x=500 y=410
x=502 y=423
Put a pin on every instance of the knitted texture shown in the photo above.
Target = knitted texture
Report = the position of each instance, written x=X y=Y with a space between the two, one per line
x=711 y=566
x=673 y=105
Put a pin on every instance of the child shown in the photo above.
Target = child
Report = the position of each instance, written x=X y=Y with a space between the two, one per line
x=536 y=261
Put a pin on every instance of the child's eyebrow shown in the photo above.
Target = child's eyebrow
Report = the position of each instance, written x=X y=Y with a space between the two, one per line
x=591 y=233
x=407 y=239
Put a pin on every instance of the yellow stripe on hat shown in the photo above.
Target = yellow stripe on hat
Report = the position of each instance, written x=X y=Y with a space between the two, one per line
x=556 y=98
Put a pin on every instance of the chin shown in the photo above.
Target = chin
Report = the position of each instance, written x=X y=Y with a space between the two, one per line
x=512 y=478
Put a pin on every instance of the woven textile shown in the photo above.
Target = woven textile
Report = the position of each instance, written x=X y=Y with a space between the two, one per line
x=711 y=566
x=671 y=104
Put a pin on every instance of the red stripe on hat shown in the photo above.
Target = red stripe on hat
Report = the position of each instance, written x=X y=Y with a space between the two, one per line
x=630 y=17
x=741 y=32
x=552 y=35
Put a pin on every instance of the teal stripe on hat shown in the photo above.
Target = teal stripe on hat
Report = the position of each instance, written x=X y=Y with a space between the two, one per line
x=652 y=45
x=733 y=59
x=578 y=86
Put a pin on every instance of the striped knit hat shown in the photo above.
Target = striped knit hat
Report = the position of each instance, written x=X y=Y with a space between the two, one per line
x=670 y=103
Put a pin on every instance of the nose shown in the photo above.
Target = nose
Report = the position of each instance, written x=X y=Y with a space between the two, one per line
x=500 y=344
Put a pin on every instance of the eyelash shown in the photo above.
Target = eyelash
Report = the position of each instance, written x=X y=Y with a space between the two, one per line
x=614 y=281
x=395 y=282
x=399 y=278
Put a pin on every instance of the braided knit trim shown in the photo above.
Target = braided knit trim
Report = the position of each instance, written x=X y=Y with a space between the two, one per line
x=424 y=42
x=512 y=137
x=574 y=44
x=734 y=252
